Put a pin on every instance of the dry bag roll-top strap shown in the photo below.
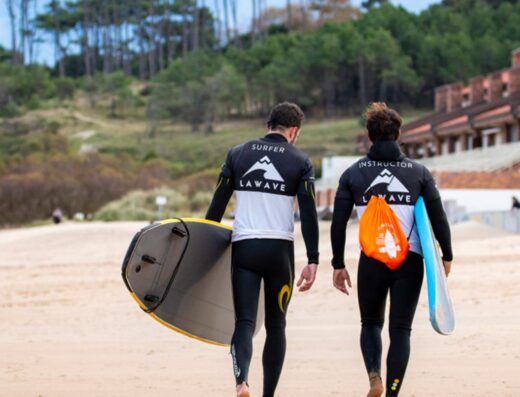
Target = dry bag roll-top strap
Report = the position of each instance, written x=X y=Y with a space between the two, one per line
x=380 y=234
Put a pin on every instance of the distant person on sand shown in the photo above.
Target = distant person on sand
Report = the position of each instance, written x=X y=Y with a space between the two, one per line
x=57 y=216
x=267 y=174
x=386 y=173
x=516 y=203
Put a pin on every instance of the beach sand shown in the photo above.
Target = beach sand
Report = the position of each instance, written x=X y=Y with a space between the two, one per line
x=68 y=326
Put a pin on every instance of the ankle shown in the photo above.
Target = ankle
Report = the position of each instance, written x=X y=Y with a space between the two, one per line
x=243 y=390
x=376 y=385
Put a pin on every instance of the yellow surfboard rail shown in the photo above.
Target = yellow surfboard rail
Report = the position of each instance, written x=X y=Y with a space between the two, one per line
x=168 y=325
x=197 y=220
x=158 y=319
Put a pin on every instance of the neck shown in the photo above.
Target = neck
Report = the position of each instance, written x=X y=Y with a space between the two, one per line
x=386 y=150
x=277 y=134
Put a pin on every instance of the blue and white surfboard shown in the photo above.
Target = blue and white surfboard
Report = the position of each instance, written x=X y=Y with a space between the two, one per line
x=439 y=301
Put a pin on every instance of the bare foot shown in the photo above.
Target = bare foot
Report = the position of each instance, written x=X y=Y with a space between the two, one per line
x=376 y=385
x=243 y=390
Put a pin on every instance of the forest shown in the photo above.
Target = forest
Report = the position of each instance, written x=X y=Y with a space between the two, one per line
x=166 y=63
x=327 y=55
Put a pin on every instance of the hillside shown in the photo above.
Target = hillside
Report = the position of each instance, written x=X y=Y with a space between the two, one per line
x=148 y=94
x=79 y=158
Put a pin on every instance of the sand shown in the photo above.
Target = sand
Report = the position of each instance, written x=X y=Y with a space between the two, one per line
x=68 y=327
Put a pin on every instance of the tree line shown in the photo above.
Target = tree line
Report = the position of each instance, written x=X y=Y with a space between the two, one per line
x=142 y=37
x=327 y=55
x=336 y=68
x=89 y=36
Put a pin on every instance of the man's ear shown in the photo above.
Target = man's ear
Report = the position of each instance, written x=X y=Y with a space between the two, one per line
x=398 y=136
x=294 y=133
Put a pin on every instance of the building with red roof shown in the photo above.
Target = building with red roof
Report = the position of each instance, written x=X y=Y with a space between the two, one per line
x=482 y=114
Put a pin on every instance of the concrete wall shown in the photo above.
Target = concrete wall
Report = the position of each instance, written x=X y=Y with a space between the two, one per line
x=505 y=220
x=480 y=200
x=333 y=167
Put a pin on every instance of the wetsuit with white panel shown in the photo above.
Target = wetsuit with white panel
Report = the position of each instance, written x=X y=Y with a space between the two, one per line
x=386 y=172
x=267 y=175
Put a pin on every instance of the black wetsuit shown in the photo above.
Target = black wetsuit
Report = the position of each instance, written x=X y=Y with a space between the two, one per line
x=389 y=174
x=266 y=174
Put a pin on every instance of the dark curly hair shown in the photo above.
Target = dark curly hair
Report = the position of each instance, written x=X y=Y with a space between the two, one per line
x=285 y=115
x=383 y=123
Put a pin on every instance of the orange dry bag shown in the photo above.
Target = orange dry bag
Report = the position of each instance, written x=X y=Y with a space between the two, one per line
x=380 y=234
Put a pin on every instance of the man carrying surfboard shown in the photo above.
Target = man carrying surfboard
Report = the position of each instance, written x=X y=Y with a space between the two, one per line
x=267 y=174
x=384 y=186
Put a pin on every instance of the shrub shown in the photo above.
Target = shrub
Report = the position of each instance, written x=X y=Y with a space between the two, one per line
x=200 y=201
x=9 y=110
x=31 y=188
x=65 y=88
x=140 y=205
x=24 y=86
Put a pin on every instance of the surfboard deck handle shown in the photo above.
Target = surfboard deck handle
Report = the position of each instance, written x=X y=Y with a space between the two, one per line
x=149 y=259
x=151 y=298
x=179 y=232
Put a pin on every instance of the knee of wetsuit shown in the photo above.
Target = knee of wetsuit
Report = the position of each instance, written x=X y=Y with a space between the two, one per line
x=398 y=327
x=372 y=322
x=275 y=326
x=246 y=323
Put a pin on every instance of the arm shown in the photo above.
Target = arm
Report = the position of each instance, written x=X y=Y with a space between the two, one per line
x=309 y=220
x=438 y=219
x=220 y=199
x=441 y=227
x=223 y=192
x=343 y=205
x=309 y=225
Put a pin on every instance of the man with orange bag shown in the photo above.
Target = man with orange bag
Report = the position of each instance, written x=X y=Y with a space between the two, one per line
x=384 y=186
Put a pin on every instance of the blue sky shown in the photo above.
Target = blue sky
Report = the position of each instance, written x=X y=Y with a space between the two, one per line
x=412 y=5
x=45 y=52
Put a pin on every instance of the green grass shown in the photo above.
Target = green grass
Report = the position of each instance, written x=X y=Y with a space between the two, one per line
x=192 y=152
x=186 y=152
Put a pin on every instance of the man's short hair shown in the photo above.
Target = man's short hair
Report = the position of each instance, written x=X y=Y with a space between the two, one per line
x=382 y=122
x=285 y=115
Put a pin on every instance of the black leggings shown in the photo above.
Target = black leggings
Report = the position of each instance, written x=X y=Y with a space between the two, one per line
x=273 y=262
x=404 y=284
